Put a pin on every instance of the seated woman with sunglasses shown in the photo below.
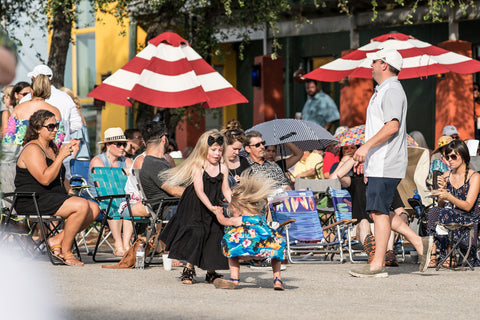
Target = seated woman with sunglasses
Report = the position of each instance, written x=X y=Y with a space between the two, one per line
x=18 y=121
x=40 y=169
x=113 y=155
x=458 y=201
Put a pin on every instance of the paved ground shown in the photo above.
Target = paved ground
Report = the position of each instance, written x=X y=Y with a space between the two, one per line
x=313 y=291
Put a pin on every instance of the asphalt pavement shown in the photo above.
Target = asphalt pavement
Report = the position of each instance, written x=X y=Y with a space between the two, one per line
x=313 y=291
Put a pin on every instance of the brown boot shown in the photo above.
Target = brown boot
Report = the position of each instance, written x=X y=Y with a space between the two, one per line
x=369 y=246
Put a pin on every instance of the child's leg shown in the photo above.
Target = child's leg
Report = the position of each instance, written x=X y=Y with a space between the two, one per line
x=277 y=278
x=234 y=265
x=276 y=265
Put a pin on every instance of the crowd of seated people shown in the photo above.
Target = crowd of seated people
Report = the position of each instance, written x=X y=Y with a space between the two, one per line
x=450 y=160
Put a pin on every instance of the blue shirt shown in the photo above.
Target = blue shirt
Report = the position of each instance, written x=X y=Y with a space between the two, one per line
x=320 y=109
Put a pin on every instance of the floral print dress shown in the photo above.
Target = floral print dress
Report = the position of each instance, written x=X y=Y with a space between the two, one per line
x=253 y=238
x=16 y=129
x=454 y=215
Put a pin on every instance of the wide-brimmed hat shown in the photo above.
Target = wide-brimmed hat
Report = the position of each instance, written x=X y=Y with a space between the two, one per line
x=113 y=135
x=442 y=141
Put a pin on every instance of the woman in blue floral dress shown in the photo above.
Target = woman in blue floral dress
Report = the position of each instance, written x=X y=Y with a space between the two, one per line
x=458 y=201
x=247 y=235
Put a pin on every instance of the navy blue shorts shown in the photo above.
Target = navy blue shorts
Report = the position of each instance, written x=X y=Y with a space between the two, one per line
x=380 y=193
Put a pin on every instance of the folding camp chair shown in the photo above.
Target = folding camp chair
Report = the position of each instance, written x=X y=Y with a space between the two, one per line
x=48 y=225
x=109 y=184
x=79 y=178
x=158 y=217
x=305 y=236
x=342 y=203
x=79 y=169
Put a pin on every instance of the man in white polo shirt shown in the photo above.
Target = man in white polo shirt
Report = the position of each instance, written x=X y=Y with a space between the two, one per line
x=60 y=100
x=384 y=159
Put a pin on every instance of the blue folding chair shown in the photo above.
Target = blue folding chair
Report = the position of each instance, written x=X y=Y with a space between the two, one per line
x=342 y=204
x=305 y=238
x=79 y=170
x=110 y=187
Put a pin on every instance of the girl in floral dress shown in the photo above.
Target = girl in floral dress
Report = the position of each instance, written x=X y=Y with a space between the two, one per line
x=247 y=235
x=458 y=201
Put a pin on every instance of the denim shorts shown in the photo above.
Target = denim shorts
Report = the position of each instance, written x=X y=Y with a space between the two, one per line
x=380 y=192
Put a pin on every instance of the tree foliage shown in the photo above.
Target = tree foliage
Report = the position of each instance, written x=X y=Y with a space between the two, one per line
x=202 y=22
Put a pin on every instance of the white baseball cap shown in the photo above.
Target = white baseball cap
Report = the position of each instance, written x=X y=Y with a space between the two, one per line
x=41 y=69
x=390 y=56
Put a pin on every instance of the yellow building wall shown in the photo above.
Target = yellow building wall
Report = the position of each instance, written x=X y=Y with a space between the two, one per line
x=111 y=55
x=229 y=63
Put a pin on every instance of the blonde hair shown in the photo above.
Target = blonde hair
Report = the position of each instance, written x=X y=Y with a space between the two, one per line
x=7 y=90
x=41 y=87
x=252 y=191
x=73 y=96
x=183 y=174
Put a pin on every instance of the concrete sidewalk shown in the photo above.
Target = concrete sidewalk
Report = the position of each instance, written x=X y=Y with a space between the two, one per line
x=312 y=291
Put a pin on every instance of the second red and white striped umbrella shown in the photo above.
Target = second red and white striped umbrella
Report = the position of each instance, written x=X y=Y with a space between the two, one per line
x=420 y=59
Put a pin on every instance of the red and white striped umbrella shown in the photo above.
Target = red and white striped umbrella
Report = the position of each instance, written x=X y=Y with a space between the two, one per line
x=168 y=73
x=420 y=59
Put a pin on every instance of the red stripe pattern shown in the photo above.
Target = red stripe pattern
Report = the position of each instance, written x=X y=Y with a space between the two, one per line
x=168 y=73
x=420 y=59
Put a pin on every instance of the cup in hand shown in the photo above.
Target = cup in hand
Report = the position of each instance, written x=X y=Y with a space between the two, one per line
x=167 y=262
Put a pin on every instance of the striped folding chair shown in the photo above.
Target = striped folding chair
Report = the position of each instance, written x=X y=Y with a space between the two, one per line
x=109 y=184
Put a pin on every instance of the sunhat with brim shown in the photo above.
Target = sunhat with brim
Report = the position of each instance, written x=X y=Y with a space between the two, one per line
x=114 y=135
x=442 y=141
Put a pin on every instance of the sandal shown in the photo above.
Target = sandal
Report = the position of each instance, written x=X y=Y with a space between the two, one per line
x=390 y=259
x=278 y=284
x=220 y=283
x=369 y=246
x=453 y=260
x=188 y=275
x=70 y=260
x=433 y=261
x=211 y=276
x=119 y=252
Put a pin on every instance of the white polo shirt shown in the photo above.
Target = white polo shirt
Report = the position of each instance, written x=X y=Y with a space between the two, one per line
x=390 y=159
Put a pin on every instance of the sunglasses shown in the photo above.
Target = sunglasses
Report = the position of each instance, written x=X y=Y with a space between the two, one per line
x=451 y=156
x=52 y=126
x=256 y=145
x=235 y=132
x=23 y=93
x=119 y=144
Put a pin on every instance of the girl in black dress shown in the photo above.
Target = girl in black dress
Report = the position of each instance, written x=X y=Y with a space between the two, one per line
x=194 y=234
x=40 y=169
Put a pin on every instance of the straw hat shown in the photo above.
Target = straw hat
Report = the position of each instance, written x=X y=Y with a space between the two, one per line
x=443 y=141
x=113 y=135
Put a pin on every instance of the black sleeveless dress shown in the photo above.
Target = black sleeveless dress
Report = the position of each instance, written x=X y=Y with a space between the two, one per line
x=50 y=198
x=194 y=234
